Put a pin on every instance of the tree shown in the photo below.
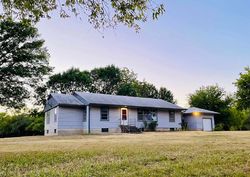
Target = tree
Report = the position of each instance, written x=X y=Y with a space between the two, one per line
x=145 y=89
x=70 y=81
x=22 y=124
x=127 y=89
x=23 y=62
x=212 y=98
x=106 y=80
x=246 y=123
x=166 y=94
x=238 y=118
x=128 y=76
x=101 y=14
x=243 y=89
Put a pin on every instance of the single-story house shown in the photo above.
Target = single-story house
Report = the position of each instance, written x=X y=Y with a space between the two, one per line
x=83 y=112
x=199 y=119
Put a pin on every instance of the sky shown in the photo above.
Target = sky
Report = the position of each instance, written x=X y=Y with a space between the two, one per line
x=195 y=43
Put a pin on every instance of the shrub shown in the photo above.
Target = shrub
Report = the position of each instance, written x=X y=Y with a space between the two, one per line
x=219 y=127
x=246 y=124
x=150 y=126
x=21 y=124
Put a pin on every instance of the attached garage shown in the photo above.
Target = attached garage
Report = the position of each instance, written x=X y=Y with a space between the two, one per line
x=199 y=119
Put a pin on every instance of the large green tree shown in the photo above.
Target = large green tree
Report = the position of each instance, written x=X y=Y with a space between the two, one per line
x=23 y=62
x=243 y=89
x=101 y=14
x=70 y=81
x=166 y=94
x=213 y=98
x=128 y=89
x=106 y=79
x=145 y=89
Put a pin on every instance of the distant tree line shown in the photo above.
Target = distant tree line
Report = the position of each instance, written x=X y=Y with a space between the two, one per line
x=22 y=124
x=107 y=80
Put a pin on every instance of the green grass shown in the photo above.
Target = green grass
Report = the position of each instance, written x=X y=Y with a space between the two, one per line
x=147 y=154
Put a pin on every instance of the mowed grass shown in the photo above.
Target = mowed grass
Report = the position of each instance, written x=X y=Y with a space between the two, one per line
x=147 y=154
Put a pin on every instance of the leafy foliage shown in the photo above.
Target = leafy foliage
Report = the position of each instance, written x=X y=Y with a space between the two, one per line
x=69 y=81
x=22 y=124
x=23 y=62
x=246 y=123
x=243 y=89
x=166 y=94
x=108 y=80
x=237 y=118
x=150 y=126
x=101 y=14
x=145 y=89
x=127 y=89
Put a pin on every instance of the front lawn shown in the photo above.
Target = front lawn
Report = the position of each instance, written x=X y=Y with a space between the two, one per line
x=147 y=154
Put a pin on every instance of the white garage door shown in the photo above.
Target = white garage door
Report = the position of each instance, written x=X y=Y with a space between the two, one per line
x=207 y=124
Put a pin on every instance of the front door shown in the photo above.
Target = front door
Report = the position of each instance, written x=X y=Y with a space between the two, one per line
x=124 y=116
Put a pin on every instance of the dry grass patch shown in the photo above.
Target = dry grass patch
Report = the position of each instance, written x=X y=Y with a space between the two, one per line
x=147 y=154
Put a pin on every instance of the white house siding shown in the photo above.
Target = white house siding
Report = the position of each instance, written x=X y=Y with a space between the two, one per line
x=70 y=121
x=113 y=124
x=165 y=124
x=51 y=126
x=195 y=122
x=192 y=122
x=132 y=113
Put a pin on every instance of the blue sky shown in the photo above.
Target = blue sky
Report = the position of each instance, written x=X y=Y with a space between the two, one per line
x=194 y=43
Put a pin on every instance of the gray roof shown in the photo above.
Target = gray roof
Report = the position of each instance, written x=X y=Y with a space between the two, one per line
x=115 y=100
x=194 y=109
x=56 y=99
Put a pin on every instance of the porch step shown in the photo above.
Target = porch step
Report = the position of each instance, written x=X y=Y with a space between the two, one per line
x=129 y=129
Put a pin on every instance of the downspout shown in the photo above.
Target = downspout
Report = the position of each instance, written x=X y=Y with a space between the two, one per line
x=88 y=118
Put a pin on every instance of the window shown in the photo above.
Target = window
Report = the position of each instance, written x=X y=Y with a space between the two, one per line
x=84 y=115
x=124 y=114
x=54 y=130
x=146 y=115
x=105 y=130
x=171 y=116
x=104 y=113
x=140 y=115
x=47 y=131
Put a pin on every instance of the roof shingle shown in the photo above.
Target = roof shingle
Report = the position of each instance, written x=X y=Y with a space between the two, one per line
x=117 y=100
x=194 y=109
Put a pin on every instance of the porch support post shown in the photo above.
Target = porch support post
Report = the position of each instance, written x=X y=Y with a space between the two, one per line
x=88 y=118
